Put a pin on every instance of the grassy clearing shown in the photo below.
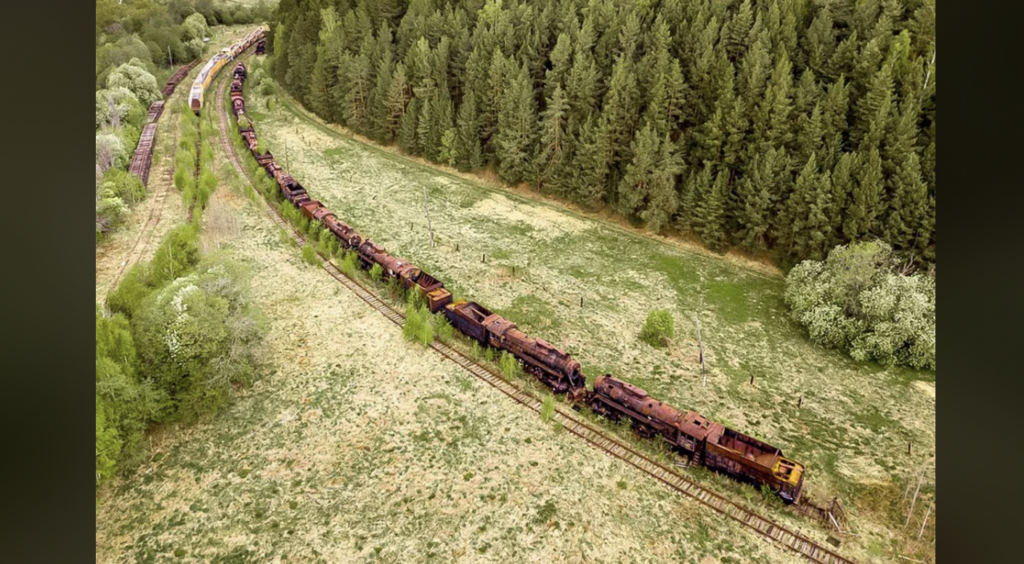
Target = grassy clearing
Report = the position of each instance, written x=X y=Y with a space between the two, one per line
x=359 y=446
x=855 y=420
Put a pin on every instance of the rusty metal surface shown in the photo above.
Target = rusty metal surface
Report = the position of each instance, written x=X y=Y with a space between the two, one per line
x=142 y=158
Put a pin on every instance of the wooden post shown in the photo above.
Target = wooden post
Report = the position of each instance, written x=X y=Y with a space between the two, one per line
x=483 y=258
x=751 y=379
x=700 y=350
x=170 y=59
x=926 y=516
x=910 y=448
x=581 y=301
x=800 y=402
x=456 y=247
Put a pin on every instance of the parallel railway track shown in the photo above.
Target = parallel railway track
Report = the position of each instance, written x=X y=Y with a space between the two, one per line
x=599 y=439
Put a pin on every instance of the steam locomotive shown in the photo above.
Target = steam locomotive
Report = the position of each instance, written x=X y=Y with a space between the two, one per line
x=704 y=441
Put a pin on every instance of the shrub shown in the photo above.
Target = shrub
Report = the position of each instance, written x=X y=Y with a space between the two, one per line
x=176 y=256
x=181 y=177
x=547 y=408
x=207 y=184
x=489 y=354
x=130 y=291
x=477 y=351
x=445 y=330
x=856 y=300
x=134 y=77
x=425 y=334
x=658 y=328
x=111 y=151
x=509 y=364
x=198 y=335
x=376 y=272
x=413 y=322
x=121 y=184
x=349 y=264
x=309 y=254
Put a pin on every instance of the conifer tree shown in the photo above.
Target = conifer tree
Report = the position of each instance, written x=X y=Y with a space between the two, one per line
x=590 y=162
x=866 y=203
x=468 y=150
x=663 y=201
x=407 y=134
x=516 y=129
x=325 y=69
x=738 y=30
x=906 y=224
x=806 y=227
x=397 y=98
x=554 y=143
x=380 y=111
x=820 y=40
x=843 y=185
x=872 y=111
x=753 y=202
x=621 y=106
x=710 y=213
x=697 y=185
x=561 y=65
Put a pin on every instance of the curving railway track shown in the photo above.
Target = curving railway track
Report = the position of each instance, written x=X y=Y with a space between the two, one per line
x=599 y=439
x=142 y=161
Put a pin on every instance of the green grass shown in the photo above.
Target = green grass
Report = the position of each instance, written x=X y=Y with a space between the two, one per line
x=853 y=415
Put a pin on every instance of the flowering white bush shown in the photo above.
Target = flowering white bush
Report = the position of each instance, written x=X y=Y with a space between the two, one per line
x=854 y=301
x=134 y=76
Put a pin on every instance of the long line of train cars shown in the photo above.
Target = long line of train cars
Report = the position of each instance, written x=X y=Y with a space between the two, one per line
x=218 y=61
x=704 y=441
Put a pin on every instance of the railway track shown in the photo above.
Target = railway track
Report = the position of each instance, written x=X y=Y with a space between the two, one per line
x=795 y=541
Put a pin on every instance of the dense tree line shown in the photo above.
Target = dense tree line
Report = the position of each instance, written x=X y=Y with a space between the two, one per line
x=784 y=125
x=161 y=33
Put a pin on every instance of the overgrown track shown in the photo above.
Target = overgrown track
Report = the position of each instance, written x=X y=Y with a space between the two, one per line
x=596 y=437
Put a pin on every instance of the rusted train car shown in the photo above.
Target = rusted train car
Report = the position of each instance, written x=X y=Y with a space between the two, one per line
x=706 y=442
x=551 y=365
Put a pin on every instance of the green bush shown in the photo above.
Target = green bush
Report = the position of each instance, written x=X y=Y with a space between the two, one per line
x=509 y=364
x=198 y=335
x=856 y=300
x=309 y=254
x=349 y=264
x=658 y=327
x=414 y=323
x=445 y=330
x=130 y=291
x=376 y=272
x=118 y=183
x=207 y=184
x=489 y=354
x=547 y=408
x=176 y=256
